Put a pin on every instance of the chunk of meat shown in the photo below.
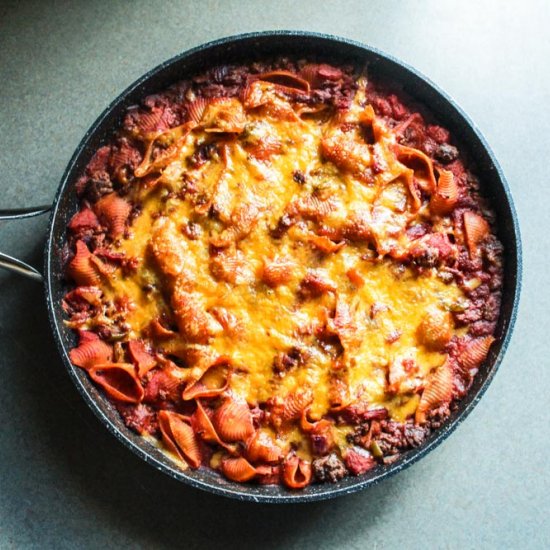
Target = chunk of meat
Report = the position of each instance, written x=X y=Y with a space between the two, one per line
x=223 y=115
x=359 y=461
x=432 y=250
x=329 y=468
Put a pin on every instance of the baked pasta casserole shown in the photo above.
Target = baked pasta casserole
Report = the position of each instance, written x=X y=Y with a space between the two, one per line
x=283 y=271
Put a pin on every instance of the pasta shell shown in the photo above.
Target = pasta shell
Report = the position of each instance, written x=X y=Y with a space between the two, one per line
x=233 y=421
x=149 y=121
x=252 y=94
x=476 y=230
x=324 y=244
x=316 y=74
x=143 y=359
x=446 y=194
x=438 y=391
x=180 y=438
x=261 y=448
x=411 y=186
x=223 y=115
x=81 y=269
x=435 y=330
x=194 y=322
x=237 y=469
x=396 y=374
x=355 y=277
x=295 y=403
x=296 y=472
x=119 y=380
x=196 y=109
x=124 y=155
x=420 y=163
x=287 y=80
x=205 y=429
x=161 y=332
x=214 y=382
x=475 y=352
x=305 y=423
x=91 y=352
x=165 y=384
x=277 y=272
x=113 y=211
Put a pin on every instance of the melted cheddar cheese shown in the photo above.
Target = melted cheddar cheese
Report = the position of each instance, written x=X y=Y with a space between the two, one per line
x=209 y=234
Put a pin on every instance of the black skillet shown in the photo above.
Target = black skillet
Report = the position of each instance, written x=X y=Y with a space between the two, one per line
x=246 y=48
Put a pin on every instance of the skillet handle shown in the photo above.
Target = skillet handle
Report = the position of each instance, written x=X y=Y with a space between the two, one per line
x=9 y=262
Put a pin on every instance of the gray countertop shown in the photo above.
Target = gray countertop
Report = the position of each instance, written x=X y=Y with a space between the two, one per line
x=66 y=483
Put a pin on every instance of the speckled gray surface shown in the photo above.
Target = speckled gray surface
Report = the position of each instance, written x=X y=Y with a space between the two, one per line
x=65 y=482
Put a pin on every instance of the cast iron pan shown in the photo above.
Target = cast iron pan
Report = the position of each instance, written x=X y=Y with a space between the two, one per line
x=246 y=48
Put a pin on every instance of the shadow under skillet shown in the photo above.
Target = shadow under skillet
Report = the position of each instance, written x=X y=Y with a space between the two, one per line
x=93 y=471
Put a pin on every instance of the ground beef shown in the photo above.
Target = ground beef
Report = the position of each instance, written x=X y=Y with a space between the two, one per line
x=395 y=437
x=96 y=188
x=329 y=468
x=140 y=418
x=437 y=417
x=358 y=461
x=287 y=360
x=446 y=153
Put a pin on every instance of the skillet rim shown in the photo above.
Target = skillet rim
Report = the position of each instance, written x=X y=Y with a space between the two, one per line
x=321 y=491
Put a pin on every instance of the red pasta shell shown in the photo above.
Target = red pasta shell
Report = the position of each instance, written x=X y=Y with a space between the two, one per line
x=142 y=358
x=113 y=211
x=91 y=352
x=81 y=269
x=446 y=194
x=435 y=330
x=237 y=469
x=164 y=384
x=417 y=161
x=119 y=380
x=316 y=74
x=233 y=421
x=475 y=352
x=296 y=472
x=277 y=272
x=287 y=80
x=160 y=331
x=196 y=109
x=213 y=382
x=476 y=230
x=179 y=437
x=261 y=448
x=295 y=403
x=324 y=244
x=202 y=424
x=355 y=277
x=223 y=115
x=438 y=391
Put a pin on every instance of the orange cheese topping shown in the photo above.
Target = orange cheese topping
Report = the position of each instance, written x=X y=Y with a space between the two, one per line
x=211 y=249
